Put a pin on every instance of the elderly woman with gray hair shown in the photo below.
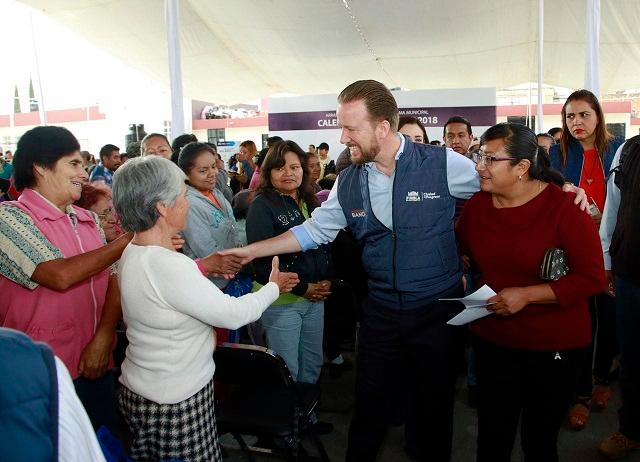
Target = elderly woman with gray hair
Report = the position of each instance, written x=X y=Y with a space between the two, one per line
x=169 y=306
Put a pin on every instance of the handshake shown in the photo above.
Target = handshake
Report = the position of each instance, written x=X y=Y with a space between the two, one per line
x=228 y=263
x=227 y=266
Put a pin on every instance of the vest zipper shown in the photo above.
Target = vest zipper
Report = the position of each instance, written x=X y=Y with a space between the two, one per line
x=393 y=229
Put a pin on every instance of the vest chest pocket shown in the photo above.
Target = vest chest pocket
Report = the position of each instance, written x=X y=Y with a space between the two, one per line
x=420 y=195
x=424 y=213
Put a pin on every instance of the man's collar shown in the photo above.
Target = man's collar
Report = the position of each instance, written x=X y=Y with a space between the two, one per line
x=104 y=167
x=398 y=154
x=401 y=148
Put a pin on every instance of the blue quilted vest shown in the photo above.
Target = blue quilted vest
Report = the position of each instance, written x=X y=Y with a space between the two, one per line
x=417 y=261
x=28 y=399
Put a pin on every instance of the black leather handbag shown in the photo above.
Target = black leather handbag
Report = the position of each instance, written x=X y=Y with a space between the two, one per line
x=554 y=265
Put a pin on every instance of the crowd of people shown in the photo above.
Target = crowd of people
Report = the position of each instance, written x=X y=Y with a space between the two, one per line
x=158 y=245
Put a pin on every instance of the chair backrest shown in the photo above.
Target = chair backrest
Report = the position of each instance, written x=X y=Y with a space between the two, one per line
x=250 y=365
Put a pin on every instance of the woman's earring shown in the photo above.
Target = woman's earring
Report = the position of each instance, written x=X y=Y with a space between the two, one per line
x=520 y=178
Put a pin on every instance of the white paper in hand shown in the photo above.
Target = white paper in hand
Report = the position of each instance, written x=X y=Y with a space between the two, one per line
x=475 y=306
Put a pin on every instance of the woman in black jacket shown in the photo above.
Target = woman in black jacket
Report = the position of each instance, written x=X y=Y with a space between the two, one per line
x=284 y=199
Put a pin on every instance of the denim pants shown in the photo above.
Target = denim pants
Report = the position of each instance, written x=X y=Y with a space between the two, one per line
x=628 y=317
x=294 y=331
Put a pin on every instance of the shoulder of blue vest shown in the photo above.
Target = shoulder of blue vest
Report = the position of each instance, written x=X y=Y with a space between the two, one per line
x=37 y=354
x=424 y=149
x=349 y=170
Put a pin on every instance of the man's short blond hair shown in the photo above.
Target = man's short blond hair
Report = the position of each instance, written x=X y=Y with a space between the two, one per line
x=380 y=103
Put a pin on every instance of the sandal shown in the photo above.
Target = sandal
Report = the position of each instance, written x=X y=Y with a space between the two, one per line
x=579 y=415
x=600 y=397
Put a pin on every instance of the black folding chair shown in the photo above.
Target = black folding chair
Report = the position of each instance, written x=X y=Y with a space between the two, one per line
x=257 y=396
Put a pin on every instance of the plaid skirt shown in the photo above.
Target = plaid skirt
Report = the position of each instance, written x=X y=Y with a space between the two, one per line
x=184 y=431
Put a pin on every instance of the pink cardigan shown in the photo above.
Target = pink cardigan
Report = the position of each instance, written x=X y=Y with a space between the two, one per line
x=65 y=320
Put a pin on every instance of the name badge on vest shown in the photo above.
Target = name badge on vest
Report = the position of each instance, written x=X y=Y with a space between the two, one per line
x=416 y=196
x=358 y=213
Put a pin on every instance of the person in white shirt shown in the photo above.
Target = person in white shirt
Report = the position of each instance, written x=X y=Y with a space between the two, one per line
x=620 y=236
x=169 y=306
x=76 y=439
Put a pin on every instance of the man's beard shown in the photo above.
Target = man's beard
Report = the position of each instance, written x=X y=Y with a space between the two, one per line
x=366 y=156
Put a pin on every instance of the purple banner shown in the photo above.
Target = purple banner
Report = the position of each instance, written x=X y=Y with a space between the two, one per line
x=430 y=117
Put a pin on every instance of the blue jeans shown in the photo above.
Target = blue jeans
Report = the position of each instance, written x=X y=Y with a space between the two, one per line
x=294 y=331
x=628 y=325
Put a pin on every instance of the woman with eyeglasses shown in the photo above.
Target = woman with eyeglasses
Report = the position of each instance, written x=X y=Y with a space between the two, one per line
x=584 y=156
x=530 y=350
x=97 y=198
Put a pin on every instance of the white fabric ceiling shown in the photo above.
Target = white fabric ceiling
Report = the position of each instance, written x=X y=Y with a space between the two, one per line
x=236 y=50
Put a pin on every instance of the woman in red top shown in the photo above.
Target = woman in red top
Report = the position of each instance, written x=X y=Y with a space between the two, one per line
x=583 y=156
x=529 y=352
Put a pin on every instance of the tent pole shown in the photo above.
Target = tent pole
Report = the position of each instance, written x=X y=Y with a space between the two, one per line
x=540 y=111
x=41 y=109
x=172 y=20
x=592 y=54
x=528 y=118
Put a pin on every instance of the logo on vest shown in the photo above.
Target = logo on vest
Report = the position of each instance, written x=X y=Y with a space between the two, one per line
x=358 y=213
x=415 y=196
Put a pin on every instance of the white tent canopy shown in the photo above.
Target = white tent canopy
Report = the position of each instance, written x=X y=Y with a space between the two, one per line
x=235 y=50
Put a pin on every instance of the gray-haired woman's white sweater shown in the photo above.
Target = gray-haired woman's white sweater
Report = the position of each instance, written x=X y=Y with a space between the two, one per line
x=169 y=308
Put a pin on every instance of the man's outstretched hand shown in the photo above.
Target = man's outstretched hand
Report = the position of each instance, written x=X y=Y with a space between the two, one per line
x=219 y=265
x=242 y=253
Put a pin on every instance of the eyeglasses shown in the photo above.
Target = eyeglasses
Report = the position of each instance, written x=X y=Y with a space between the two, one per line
x=105 y=213
x=487 y=160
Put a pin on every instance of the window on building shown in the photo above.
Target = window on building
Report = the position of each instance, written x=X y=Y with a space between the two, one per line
x=214 y=135
x=522 y=120
x=618 y=129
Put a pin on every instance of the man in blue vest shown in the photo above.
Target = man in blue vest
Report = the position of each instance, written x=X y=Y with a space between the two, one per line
x=398 y=199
